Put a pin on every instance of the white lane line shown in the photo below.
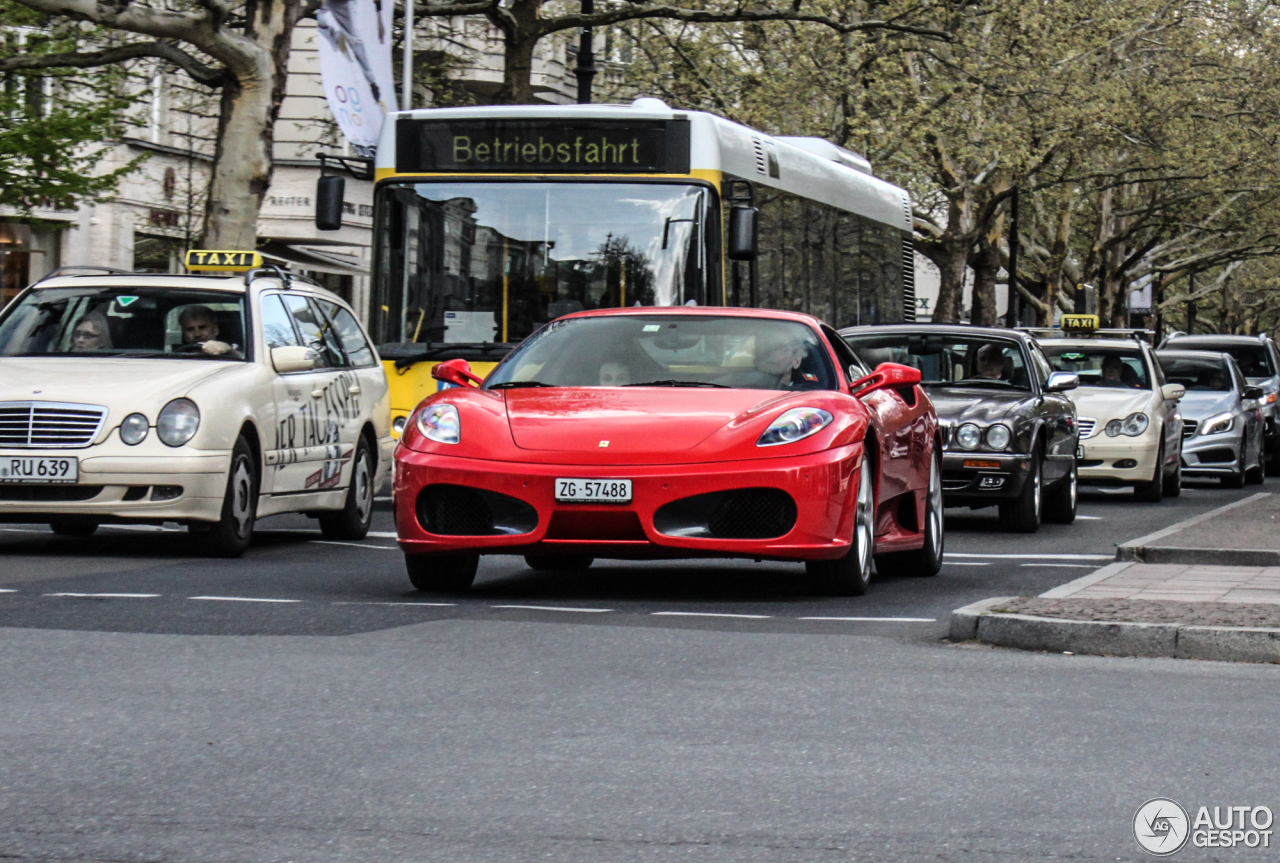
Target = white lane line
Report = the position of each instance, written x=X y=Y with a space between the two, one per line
x=356 y=545
x=1089 y=518
x=382 y=534
x=964 y=563
x=242 y=599
x=149 y=528
x=376 y=534
x=108 y=595
x=554 y=608
x=428 y=604
x=388 y=497
x=1035 y=556
x=7 y=590
x=709 y=614
x=1061 y=565
x=888 y=619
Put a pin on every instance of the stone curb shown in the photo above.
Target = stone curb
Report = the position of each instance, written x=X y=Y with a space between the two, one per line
x=1113 y=638
x=1145 y=550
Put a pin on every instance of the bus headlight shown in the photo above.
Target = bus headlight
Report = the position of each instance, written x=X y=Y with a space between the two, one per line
x=133 y=430
x=440 y=423
x=178 y=422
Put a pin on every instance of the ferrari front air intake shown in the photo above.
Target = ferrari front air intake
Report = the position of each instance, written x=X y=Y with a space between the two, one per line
x=746 y=513
x=458 y=510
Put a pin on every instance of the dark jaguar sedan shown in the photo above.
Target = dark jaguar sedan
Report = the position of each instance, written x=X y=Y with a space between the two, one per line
x=1009 y=430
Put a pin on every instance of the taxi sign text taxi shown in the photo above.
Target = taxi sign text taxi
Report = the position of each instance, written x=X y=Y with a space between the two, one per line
x=1079 y=322
x=213 y=261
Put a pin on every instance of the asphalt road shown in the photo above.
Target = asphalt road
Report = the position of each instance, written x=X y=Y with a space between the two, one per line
x=304 y=703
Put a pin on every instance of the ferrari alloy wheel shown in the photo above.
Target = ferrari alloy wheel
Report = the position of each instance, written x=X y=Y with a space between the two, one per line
x=1022 y=514
x=559 y=562
x=230 y=535
x=850 y=575
x=442 y=573
x=1060 y=503
x=353 y=520
x=926 y=560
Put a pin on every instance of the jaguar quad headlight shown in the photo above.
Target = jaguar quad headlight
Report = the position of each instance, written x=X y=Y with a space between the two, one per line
x=1132 y=425
x=133 y=430
x=999 y=436
x=793 y=425
x=440 y=423
x=178 y=422
x=1218 y=424
x=968 y=436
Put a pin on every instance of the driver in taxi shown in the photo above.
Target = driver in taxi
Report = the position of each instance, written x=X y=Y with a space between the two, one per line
x=200 y=328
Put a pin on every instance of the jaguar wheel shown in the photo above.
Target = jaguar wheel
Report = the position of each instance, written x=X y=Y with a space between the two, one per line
x=1060 y=503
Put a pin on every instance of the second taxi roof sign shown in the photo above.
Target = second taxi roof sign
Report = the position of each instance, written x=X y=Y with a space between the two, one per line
x=212 y=261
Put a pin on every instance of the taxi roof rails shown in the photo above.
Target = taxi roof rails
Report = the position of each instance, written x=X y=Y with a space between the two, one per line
x=285 y=276
x=1058 y=332
x=72 y=269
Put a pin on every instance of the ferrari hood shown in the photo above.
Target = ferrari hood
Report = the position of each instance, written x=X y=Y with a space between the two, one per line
x=115 y=383
x=626 y=421
x=1105 y=404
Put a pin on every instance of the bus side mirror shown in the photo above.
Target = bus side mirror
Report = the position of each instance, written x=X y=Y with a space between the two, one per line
x=329 y=194
x=743 y=234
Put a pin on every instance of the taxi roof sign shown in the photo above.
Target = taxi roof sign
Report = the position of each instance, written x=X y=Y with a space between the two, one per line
x=214 y=261
x=1079 y=323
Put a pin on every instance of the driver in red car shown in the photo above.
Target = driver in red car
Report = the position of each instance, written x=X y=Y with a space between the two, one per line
x=777 y=356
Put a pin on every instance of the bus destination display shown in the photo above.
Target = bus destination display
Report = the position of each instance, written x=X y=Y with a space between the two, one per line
x=543 y=146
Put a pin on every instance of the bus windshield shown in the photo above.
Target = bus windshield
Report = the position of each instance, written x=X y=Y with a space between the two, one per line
x=483 y=262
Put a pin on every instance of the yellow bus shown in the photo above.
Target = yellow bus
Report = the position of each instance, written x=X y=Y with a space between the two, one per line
x=491 y=221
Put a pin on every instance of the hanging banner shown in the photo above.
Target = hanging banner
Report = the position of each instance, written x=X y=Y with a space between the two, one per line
x=355 y=65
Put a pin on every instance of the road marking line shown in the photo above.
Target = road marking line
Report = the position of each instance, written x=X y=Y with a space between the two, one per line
x=356 y=545
x=964 y=563
x=1036 y=556
x=1089 y=518
x=428 y=604
x=7 y=590
x=388 y=497
x=108 y=595
x=242 y=599
x=709 y=614
x=150 y=528
x=383 y=534
x=1061 y=565
x=554 y=608
x=890 y=619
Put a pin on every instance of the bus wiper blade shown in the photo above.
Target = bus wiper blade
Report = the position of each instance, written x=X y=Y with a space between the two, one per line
x=517 y=385
x=675 y=383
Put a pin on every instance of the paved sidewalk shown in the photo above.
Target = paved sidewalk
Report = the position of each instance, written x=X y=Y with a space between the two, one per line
x=1181 y=582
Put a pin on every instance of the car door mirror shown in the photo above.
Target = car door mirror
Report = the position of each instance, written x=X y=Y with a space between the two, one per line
x=1060 y=382
x=457 y=372
x=885 y=376
x=293 y=358
x=1173 y=392
x=1254 y=393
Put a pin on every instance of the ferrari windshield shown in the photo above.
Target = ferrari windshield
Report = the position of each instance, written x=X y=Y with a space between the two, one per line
x=1116 y=368
x=670 y=351
x=947 y=360
x=125 y=322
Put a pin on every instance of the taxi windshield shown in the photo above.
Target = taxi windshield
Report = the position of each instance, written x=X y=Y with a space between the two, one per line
x=669 y=351
x=125 y=322
x=1115 y=368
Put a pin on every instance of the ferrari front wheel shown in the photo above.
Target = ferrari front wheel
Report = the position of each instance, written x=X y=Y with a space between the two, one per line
x=926 y=560
x=850 y=575
x=442 y=573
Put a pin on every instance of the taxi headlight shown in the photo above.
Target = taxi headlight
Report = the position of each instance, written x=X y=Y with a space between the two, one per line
x=795 y=424
x=178 y=422
x=968 y=436
x=1219 y=424
x=1132 y=425
x=440 y=423
x=133 y=430
x=998 y=436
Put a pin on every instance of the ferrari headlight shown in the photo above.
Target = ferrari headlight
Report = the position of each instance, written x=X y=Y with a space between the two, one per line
x=1219 y=424
x=998 y=436
x=795 y=424
x=968 y=436
x=1132 y=425
x=440 y=423
x=178 y=422
x=133 y=430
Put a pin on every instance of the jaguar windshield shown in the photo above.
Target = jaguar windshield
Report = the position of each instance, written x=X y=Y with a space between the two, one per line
x=125 y=322
x=669 y=351
x=948 y=360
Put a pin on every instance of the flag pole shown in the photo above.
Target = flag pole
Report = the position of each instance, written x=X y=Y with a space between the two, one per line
x=406 y=74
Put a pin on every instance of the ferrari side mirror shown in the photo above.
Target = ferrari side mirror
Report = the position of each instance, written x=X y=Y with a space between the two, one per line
x=457 y=372
x=886 y=376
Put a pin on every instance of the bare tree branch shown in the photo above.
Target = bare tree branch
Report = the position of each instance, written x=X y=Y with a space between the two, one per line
x=206 y=75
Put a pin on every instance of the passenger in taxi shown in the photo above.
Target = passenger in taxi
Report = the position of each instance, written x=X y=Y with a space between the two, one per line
x=91 y=334
x=200 y=330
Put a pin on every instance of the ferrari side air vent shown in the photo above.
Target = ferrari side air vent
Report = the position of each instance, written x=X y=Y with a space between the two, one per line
x=456 y=510
x=748 y=513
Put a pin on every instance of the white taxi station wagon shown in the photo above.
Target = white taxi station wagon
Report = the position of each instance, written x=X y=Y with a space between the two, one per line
x=209 y=400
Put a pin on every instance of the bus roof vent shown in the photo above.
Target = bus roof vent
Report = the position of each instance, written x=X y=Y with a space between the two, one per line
x=762 y=162
x=649 y=103
x=827 y=150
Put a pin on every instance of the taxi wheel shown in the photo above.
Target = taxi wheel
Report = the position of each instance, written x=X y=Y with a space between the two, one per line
x=850 y=575
x=1153 y=491
x=353 y=520
x=1022 y=514
x=559 y=562
x=442 y=573
x=230 y=536
x=1173 y=482
x=73 y=527
x=926 y=560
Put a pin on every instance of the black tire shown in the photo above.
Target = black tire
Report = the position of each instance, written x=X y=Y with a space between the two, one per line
x=1060 y=501
x=926 y=560
x=850 y=575
x=442 y=573
x=73 y=527
x=1273 y=458
x=1022 y=514
x=1257 y=474
x=230 y=536
x=1236 y=480
x=353 y=520
x=1152 y=491
x=1173 y=481
x=559 y=562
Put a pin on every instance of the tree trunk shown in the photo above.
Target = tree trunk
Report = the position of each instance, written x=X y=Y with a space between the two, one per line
x=986 y=266
x=520 y=35
x=951 y=256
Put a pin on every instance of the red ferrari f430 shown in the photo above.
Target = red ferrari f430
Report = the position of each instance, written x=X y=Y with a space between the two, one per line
x=674 y=433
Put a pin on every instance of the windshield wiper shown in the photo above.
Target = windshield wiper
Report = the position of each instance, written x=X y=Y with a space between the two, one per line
x=675 y=383
x=516 y=385
x=983 y=382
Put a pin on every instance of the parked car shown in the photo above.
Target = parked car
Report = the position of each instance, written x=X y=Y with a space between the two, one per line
x=1259 y=361
x=206 y=400
x=1009 y=428
x=674 y=433
x=1130 y=427
x=1222 y=426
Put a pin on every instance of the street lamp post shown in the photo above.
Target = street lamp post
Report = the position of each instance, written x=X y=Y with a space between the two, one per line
x=1011 y=313
x=586 y=69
